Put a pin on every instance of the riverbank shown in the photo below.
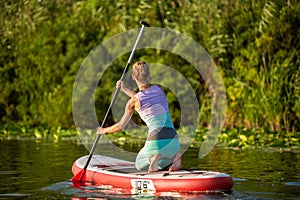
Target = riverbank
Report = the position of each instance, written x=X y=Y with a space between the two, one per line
x=235 y=138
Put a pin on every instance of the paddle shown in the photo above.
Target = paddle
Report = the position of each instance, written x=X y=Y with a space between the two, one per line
x=81 y=176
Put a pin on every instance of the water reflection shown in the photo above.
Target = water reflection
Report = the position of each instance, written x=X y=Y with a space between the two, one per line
x=42 y=169
x=109 y=192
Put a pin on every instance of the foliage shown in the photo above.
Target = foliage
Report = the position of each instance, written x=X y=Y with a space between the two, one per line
x=232 y=138
x=40 y=133
x=254 y=43
x=252 y=138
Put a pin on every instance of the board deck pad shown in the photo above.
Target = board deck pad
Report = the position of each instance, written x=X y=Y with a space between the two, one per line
x=165 y=173
x=129 y=168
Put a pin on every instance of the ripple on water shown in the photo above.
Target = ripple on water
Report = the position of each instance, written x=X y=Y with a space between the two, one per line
x=292 y=183
x=13 y=195
x=7 y=172
x=239 y=179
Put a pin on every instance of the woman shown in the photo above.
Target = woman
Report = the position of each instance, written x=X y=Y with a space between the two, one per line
x=162 y=148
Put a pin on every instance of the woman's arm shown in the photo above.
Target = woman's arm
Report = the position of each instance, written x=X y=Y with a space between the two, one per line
x=124 y=120
x=128 y=92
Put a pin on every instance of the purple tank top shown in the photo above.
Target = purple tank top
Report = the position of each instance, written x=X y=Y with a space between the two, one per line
x=154 y=108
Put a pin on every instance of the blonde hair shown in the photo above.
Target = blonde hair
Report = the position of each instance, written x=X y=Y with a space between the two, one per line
x=140 y=70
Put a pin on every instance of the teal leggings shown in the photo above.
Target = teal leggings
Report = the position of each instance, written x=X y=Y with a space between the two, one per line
x=167 y=148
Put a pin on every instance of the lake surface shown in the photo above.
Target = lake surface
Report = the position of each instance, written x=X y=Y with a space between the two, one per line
x=34 y=169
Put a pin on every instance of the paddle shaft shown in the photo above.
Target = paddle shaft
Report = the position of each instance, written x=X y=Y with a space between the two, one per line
x=115 y=95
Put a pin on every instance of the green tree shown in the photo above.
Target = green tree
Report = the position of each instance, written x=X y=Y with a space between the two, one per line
x=254 y=43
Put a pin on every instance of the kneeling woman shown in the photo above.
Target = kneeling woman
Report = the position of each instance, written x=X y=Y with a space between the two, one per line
x=162 y=148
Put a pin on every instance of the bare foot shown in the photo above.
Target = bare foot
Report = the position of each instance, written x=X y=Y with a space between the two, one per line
x=176 y=163
x=154 y=163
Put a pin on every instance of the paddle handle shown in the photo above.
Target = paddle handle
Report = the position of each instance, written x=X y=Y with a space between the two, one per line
x=116 y=93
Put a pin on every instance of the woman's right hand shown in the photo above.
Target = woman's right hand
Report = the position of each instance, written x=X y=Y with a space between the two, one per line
x=120 y=84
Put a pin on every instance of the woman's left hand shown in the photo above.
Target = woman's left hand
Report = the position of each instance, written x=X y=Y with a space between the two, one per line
x=101 y=131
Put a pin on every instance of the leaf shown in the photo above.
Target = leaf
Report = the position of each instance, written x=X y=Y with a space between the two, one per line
x=243 y=138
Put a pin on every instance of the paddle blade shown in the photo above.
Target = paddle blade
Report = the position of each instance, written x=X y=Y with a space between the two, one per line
x=80 y=176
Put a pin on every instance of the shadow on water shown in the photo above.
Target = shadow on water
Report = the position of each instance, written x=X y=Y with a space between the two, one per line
x=34 y=169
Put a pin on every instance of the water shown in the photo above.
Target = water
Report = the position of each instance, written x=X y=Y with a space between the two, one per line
x=33 y=169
